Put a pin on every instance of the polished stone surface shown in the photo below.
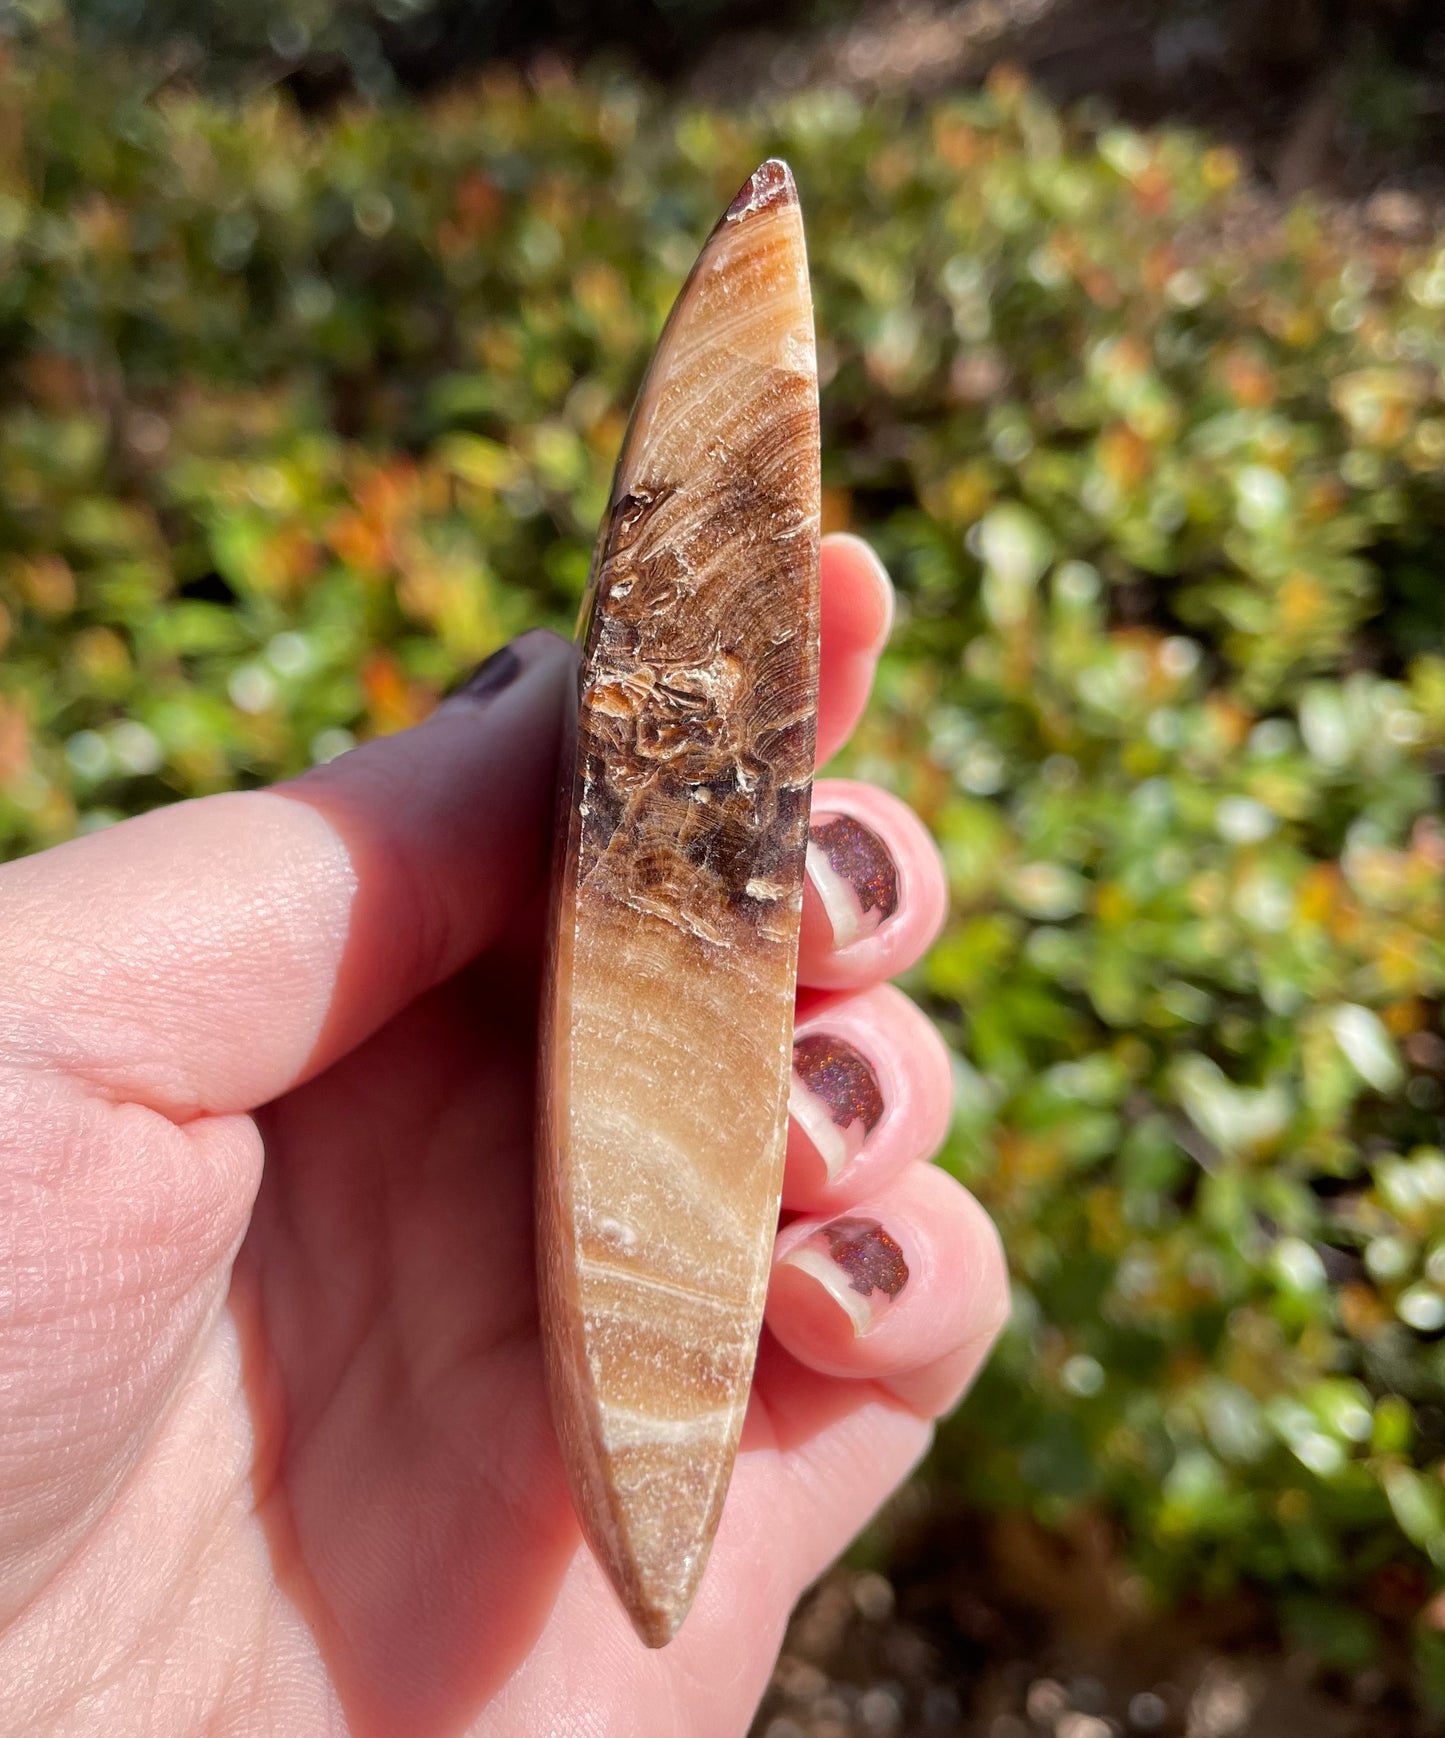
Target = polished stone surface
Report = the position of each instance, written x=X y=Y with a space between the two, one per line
x=679 y=892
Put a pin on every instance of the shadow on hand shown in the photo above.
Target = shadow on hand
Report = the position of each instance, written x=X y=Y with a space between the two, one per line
x=407 y=1473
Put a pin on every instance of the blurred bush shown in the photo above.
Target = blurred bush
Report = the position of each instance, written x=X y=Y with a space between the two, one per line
x=298 y=420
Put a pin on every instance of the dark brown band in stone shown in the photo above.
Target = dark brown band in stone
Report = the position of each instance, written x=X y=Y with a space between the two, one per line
x=871 y=1258
x=860 y=858
x=841 y=1077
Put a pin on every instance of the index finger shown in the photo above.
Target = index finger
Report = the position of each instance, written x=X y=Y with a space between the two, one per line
x=208 y=956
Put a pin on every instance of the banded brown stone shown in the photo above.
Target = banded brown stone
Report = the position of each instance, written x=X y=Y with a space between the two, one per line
x=683 y=826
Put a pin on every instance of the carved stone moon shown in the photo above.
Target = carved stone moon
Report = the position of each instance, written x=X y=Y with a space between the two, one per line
x=683 y=826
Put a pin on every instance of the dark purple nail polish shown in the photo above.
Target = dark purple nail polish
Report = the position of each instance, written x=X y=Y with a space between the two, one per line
x=490 y=676
x=834 y=1097
x=854 y=875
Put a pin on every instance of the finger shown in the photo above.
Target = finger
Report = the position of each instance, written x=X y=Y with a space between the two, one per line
x=856 y=612
x=874 y=897
x=871 y=1091
x=909 y=1288
x=818 y=1459
x=207 y=956
x=816 y=1466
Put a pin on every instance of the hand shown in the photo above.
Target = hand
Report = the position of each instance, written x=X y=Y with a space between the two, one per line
x=276 y=1451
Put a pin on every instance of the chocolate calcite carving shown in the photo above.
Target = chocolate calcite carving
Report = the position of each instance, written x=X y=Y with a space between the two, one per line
x=669 y=1010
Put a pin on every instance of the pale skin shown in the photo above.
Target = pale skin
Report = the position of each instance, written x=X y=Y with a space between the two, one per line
x=275 y=1454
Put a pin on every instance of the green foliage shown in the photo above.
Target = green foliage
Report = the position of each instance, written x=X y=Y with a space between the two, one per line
x=297 y=421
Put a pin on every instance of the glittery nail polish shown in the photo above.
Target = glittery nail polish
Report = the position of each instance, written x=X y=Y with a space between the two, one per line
x=858 y=1263
x=854 y=875
x=834 y=1097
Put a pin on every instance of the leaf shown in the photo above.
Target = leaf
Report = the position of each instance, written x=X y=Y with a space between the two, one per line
x=1366 y=1044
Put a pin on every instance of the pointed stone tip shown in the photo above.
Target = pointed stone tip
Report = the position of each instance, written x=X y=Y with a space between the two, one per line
x=769 y=185
x=655 y=1603
x=655 y=1627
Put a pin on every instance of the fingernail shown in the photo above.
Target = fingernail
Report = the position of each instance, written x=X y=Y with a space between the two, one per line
x=834 y=1097
x=855 y=877
x=868 y=554
x=490 y=676
x=859 y=1265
